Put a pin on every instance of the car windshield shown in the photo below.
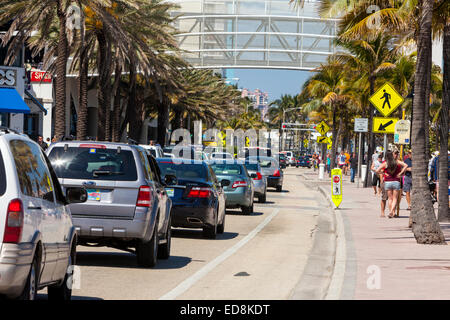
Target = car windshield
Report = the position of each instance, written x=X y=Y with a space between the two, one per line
x=227 y=169
x=183 y=171
x=93 y=164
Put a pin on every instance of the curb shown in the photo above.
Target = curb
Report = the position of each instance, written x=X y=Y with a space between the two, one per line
x=338 y=276
x=318 y=273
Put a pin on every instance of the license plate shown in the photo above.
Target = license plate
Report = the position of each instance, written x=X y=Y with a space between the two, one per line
x=170 y=192
x=93 y=194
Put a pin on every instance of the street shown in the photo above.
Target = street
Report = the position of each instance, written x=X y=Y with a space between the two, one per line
x=260 y=256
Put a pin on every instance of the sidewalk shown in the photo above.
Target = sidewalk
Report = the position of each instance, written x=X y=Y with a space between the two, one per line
x=407 y=270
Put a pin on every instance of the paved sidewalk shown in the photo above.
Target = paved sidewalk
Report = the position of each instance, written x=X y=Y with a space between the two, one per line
x=407 y=270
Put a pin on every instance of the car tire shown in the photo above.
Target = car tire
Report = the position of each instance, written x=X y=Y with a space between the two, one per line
x=147 y=252
x=30 y=290
x=279 y=188
x=164 y=249
x=210 y=232
x=63 y=291
x=221 y=227
x=247 y=210
x=263 y=198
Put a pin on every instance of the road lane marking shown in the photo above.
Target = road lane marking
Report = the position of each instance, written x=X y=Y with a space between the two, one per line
x=189 y=282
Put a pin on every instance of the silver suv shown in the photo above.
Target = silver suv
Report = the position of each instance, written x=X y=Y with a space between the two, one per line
x=127 y=205
x=37 y=237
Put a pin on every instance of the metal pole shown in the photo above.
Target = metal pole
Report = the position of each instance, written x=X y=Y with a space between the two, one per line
x=359 y=160
x=385 y=145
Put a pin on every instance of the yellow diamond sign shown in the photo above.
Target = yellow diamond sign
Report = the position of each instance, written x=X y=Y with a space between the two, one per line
x=386 y=99
x=322 y=128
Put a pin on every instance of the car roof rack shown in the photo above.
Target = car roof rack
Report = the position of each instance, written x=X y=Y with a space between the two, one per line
x=131 y=141
x=4 y=129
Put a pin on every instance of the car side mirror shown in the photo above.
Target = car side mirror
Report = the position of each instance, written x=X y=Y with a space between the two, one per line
x=76 y=195
x=225 y=183
x=170 y=180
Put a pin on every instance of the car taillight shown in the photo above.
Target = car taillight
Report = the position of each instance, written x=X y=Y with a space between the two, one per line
x=258 y=176
x=277 y=173
x=144 y=197
x=238 y=184
x=14 y=222
x=197 y=192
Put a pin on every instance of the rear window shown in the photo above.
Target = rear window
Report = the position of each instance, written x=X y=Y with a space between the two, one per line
x=93 y=164
x=252 y=166
x=227 y=169
x=2 y=176
x=183 y=171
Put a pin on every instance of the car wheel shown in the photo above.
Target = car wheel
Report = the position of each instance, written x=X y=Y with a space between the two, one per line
x=279 y=188
x=263 y=198
x=63 y=291
x=147 y=252
x=30 y=290
x=221 y=227
x=210 y=232
x=247 y=210
x=164 y=249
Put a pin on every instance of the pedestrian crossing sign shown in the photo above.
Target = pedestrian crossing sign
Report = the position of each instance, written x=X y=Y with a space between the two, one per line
x=386 y=100
x=336 y=186
x=322 y=128
x=322 y=139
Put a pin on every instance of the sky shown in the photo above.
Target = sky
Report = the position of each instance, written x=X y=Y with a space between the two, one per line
x=274 y=82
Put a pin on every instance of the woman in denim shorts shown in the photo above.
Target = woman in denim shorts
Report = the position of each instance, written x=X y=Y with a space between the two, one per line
x=393 y=171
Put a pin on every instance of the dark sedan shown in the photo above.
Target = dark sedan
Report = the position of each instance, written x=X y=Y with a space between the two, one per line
x=198 y=200
x=304 y=161
x=282 y=160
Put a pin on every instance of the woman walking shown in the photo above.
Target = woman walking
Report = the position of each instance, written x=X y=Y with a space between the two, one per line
x=393 y=171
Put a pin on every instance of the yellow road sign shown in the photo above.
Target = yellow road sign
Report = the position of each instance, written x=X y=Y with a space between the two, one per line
x=384 y=125
x=322 y=139
x=336 y=186
x=386 y=99
x=322 y=128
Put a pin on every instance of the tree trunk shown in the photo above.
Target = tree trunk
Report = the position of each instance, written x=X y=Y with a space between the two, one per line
x=132 y=102
x=443 y=211
x=82 y=91
x=105 y=88
x=115 y=134
x=334 y=141
x=425 y=227
x=163 y=122
x=60 y=82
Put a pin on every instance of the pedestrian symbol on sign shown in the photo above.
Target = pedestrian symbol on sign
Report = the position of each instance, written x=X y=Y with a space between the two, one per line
x=386 y=96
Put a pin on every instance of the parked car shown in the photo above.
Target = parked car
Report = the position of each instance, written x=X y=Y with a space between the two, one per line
x=127 y=206
x=197 y=196
x=155 y=151
x=259 y=180
x=304 y=161
x=240 y=191
x=271 y=169
x=37 y=238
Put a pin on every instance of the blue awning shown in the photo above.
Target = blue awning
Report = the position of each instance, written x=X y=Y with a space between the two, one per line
x=12 y=102
x=36 y=102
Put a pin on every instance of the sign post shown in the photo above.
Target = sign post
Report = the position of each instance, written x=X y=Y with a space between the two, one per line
x=361 y=125
x=336 y=186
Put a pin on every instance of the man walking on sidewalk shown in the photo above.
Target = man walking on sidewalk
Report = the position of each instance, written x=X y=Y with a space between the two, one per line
x=353 y=166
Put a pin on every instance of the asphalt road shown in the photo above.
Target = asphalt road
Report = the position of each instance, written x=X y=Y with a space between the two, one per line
x=260 y=256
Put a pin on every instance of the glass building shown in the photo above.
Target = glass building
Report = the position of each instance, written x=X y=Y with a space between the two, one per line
x=254 y=34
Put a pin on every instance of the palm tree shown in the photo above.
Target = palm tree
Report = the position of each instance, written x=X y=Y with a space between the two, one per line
x=28 y=16
x=424 y=225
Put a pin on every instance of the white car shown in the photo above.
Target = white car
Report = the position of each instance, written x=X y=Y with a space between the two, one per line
x=290 y=158
x=37 y=237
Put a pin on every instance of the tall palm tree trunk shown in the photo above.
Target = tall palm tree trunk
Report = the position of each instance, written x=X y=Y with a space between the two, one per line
x=371 y=137
x=163 y=122
x=115 y=134
x=425 y=227
x=82 y=89
x=443 y=211
x=335 y=141
x=105 y=88
x=61 y=69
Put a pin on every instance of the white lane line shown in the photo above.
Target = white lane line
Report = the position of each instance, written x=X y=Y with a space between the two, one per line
x=189 y=282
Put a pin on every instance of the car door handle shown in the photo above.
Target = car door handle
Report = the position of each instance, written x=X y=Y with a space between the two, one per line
x=34 y=208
